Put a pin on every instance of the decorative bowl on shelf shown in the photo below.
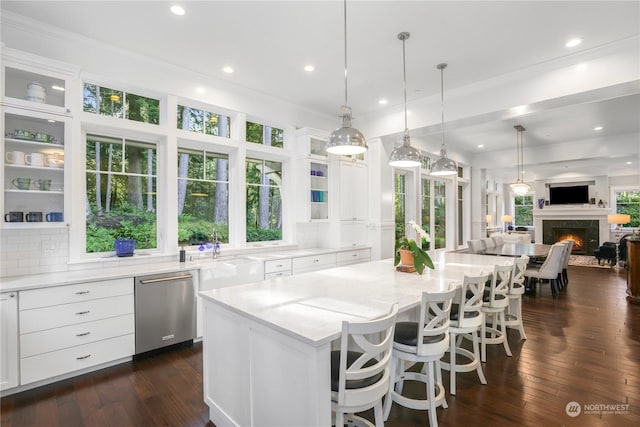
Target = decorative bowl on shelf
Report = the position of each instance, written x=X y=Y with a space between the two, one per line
x=124 y=247
x=43 y=137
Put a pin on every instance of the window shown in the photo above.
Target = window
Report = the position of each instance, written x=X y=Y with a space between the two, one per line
x=264 y=200
x=460 y=213
x=523 y=210
x=628 y=202
x=400 y=196
x=117 y=103
x=426 y=208
x=203 y=196
x=263 y=134
x=121 y=193
x=202 y=121
x=440 y=214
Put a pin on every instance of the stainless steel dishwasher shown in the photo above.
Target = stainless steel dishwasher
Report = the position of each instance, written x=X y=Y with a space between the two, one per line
x=165 y=310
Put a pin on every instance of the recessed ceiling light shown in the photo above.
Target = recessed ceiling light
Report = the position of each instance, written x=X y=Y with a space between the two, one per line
x=480 y=145
x=581 y=67
x=177 y=10
x=228 y=69
x=598 y=128
x=573 y=42
x=309 y=68
x=56 y=87
x=51 y=121
x=629 y=163
x=200 y=89
x=382 y=101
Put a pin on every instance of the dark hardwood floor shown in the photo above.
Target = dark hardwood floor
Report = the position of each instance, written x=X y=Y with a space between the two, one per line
x=583 y=347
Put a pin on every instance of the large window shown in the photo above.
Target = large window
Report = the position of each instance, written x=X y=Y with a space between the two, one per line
x=121 y=193
x=628 y=202
x=524 y=210
x=400 y=196
x=203 y=196
x=263 y=134
x=202 y=121
x=460 y=213
x=118 y=103
x=439 y=215
x=264 y=200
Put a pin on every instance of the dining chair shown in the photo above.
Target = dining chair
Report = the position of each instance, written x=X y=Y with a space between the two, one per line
x=513 y=316
x=360 y=375
x=424 y=341
x=495 y=302
x=466 y=318
x=549 y=270
x=489 y=243
x=498 y=239
x=475 y=246
x=565 y=262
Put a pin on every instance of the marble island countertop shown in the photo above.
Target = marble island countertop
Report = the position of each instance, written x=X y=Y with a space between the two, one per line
x=137 y=266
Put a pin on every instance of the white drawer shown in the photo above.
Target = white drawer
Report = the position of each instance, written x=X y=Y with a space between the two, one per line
x=277 y=274
x=354 y=256
x=70 y=314
x=60 y=362
x=73 y=293
x=277 y=265
x=314 y=262
x=74 y=335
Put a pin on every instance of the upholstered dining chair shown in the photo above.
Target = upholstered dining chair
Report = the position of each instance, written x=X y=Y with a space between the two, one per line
x=424 y=341
x=466 y=319
x=360 y=369
x=489 y=243
x=475 y=246
x=564 y=279
x=549 y=270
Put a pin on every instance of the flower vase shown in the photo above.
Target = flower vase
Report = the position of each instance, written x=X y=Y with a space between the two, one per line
x=406 y=257
x=540 y=203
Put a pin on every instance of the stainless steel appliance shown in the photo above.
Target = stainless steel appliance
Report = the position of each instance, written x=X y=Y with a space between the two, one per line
x=165 y=310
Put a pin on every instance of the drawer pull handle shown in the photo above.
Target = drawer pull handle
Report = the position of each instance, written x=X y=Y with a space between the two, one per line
x=83 y=334
x=80 y=313
x=83 y=357
x=316 y=260
x=354 y=255
x=278 y=265
x=82 y=292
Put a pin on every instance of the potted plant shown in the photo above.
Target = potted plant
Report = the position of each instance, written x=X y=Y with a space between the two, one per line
x=410 y=253
x=124 y=246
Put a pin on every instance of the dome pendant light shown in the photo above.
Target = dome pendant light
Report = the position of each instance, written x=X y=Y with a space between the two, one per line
x=444 y=165
x=520 y=187
x=346 y=140
x=405 y=156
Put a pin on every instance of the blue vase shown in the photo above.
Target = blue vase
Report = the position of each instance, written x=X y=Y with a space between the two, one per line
x=540 y=203
x=124 y=247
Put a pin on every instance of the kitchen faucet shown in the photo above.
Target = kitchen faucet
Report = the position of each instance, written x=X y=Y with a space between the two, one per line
x=216 y=244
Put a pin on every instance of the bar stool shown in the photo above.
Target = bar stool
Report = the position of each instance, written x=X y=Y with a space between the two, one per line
x=424 y=341
x=466 y=319
x=495 y=302
x=360 y=377
x=513 y=316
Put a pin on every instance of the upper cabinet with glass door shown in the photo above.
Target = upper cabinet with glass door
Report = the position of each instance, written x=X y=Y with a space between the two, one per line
x=36 y=83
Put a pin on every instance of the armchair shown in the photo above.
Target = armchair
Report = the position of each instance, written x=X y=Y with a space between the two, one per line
x=606 y=252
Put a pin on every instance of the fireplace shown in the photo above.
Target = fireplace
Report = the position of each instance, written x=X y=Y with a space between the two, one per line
x=584 y=233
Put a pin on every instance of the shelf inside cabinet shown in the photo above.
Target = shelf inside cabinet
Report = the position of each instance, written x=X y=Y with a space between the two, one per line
x=13 y=190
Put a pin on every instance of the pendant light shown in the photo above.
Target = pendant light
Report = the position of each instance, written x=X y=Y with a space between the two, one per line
x=520 y=187
x=346 y=140
x=443 y=166
x=405 y=156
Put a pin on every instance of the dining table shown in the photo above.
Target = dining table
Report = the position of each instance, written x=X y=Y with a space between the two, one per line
x=532 y=250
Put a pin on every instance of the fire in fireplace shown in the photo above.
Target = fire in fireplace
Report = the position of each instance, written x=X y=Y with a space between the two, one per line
x=575 y=234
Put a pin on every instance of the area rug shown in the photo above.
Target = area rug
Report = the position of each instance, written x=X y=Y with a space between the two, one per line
x=587 y=261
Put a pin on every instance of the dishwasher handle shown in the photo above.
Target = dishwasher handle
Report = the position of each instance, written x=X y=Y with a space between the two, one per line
x=165 y=279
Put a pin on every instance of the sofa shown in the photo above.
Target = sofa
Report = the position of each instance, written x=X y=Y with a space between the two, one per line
x=513 y=237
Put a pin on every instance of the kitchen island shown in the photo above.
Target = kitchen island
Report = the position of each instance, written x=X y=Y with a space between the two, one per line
x=266 y=344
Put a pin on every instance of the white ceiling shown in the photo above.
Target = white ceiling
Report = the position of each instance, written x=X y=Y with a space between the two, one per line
x=269 y=42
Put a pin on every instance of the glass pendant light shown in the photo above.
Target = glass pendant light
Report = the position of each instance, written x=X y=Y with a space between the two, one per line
x=520 y=187
x=346 y=140
x=405 y=156
x=444 y=165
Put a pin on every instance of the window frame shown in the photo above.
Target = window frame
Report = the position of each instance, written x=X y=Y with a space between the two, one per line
x=614 y=205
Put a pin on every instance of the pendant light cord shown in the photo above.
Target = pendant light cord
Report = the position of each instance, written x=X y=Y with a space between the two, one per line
x=404 y=77
x=442 y=67
x=345 y=54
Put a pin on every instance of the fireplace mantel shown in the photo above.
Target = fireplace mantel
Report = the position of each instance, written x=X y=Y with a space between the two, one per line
x=578 y=213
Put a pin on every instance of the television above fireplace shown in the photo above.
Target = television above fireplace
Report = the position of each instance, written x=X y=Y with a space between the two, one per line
x=576 y=194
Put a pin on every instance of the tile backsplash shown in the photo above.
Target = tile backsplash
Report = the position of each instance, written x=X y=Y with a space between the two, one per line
x=33 y=251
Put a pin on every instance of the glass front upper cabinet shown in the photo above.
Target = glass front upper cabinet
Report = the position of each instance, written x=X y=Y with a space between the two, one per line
x=34 y=88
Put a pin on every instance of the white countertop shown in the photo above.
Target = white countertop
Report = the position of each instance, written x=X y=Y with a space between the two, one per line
x=21 y=283
x=310 y=307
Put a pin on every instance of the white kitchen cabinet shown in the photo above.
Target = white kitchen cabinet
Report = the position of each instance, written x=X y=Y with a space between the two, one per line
x=312 y=176
x=282 y=266
x=353 y=191
x=67 y=328
x=8 y=340
x=353 y=257
x=310 y=263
